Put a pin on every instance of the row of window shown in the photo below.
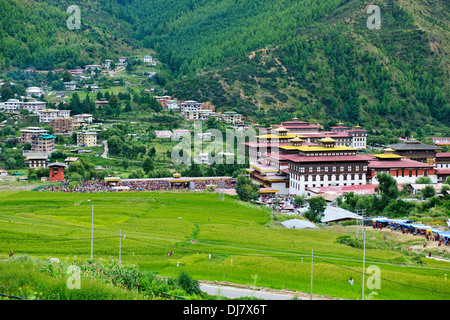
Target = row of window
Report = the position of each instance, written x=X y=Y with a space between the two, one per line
x=319 y=169
x=330 y=177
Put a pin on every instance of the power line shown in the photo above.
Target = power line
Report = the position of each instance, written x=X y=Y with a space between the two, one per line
x=396 y=282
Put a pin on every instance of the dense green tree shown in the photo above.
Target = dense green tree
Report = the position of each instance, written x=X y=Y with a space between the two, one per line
x=317 y=206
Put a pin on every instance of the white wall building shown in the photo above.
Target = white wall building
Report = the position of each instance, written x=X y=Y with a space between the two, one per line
x=34 y=91
x=14 y=105
x=48 y=115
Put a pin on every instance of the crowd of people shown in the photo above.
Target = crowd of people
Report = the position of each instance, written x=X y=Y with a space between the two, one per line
x=415 y=231
x=137 y=185
x=217 y=183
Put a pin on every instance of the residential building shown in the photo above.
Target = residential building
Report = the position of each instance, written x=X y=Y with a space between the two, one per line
x=231 y=117
x=148 y=59
x=14 y=106
x=123 y=61
x=36 y=161
x=69 y=160
x=47 y=115
x=172 y=105
x=101 y=103
x=92 y=67
x=83 y=117
x=70 y=86
x=34 y=92
x=163 y=134
x=86 y=138
x=28 y=134
x=43 y=143
x=190 y=105
x=62 y=126
x=107 y=64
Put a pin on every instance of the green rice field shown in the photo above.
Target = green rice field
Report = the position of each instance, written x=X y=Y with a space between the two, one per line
x=212 y=240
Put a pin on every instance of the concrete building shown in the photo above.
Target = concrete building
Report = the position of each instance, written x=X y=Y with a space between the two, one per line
x=34 y=92
x=43 y=143
x=29 y=133
x=14 y=106
x=86 y=138
x=47 y=115
x=231 y=117
x=36 y=161
x=62 y=126
x=83 y=117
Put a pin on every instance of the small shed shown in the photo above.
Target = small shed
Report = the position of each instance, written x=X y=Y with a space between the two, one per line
x=336 y=214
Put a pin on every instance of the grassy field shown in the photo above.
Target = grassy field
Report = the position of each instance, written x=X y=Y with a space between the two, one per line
x=212 y=240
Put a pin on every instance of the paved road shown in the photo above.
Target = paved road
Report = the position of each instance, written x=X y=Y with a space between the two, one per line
x=233 y=293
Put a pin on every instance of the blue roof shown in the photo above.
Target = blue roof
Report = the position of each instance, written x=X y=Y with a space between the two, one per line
x=46 y=136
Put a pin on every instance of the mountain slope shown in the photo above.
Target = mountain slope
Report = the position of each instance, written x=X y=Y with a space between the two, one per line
x=34 y=34
x=266 y=59
x=338 y=69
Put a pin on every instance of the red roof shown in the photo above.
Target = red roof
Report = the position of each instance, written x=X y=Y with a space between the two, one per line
x=360 y=189
x=442 y=171
x=443 y=155
x=297 y=158
x=401 y=163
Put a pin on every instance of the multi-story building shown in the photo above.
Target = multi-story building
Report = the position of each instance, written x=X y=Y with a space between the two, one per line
x=56 y=172
x=190 y=105
x=344 y=136
x=34 y=92
x=83 y=117
x=290 y=163
x=43 y=143
x=62 y=126
x=47 y=115
x=416 y=150
x=86 y=138
x=70 y=86
x=14 y=106
x=231 y=117
x=148 y=59
x=443 y=160
x=36 y=161
x=28 y=134
x=403 y=170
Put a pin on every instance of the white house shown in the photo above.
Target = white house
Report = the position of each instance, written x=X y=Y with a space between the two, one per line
x=70 y=86
x=83 y=117
x=148 y=59
x=123 y=61
x=48 y=115
x=34 y=91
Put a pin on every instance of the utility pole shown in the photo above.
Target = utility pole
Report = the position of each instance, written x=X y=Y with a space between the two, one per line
x=92 y=231
x=120 y=246
x=312 y=251
x=364 y=262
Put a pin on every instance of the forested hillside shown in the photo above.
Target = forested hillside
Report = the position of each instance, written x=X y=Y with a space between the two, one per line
x=34 y=34
x=266 y=59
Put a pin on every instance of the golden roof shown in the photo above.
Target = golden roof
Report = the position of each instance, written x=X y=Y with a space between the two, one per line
x=281 y=129
x=327 y=139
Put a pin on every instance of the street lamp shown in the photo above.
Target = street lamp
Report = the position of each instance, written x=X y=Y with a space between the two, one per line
x=92 y=231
